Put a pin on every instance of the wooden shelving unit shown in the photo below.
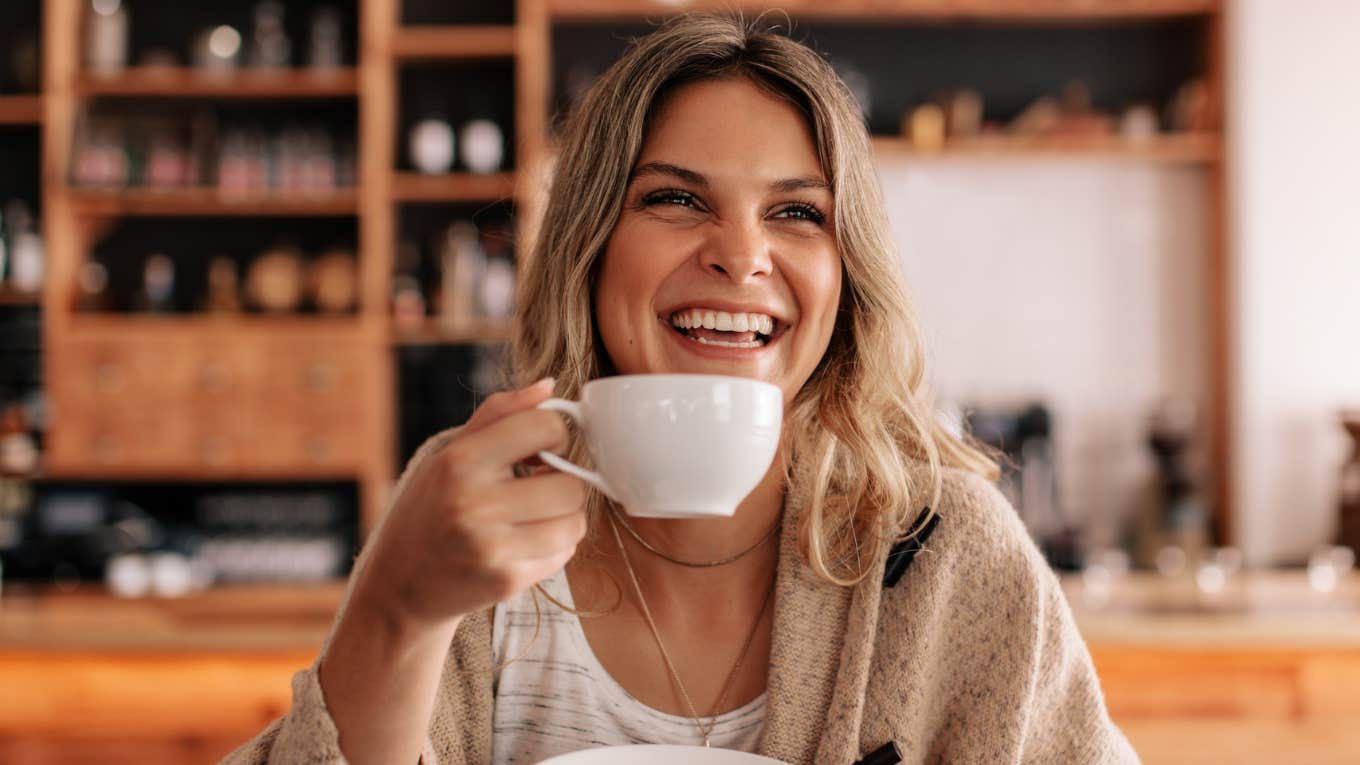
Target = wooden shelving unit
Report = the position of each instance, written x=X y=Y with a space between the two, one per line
x=454 y=187
x=1166 y=148
x=485 y=332
x=385 y=46
x=247 y=83
x=21 y=110
x=453 y=42
x=209 y=202
x=10 y=297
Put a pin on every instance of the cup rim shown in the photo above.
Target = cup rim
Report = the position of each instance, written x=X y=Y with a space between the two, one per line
x=675 y=377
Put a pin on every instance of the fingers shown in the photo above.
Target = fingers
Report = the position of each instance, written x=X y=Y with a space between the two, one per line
x=547 y=540
x=510 y=439
x=500 y=405
x=530 y=499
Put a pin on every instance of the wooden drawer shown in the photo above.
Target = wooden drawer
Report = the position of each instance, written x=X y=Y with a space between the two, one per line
x=227 y=405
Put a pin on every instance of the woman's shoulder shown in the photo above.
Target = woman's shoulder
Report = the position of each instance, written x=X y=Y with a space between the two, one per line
x=979 y=535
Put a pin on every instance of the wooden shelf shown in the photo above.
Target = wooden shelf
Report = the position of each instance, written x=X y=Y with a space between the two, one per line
x=902 y=10
x=12 y=297
x=1189 y=148
x=480 y=332
x=21 y=110
x=454 y=187
x=246 y=83
x=210 y=202
x=92 y=325
x=416 y=43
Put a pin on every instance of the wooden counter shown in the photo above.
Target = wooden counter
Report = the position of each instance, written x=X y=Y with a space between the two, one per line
x=1267 y=673
x=92 y=678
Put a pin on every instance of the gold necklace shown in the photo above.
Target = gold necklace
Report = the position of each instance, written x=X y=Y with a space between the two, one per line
x=705 y=729
x=692 y=563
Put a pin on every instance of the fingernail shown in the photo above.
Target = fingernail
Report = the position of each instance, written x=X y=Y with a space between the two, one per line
x=547 y=382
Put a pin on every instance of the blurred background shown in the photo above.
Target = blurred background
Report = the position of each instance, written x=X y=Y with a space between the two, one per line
x=253 y=252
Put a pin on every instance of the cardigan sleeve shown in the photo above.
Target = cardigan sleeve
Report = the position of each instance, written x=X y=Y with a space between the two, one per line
x=1066 y=720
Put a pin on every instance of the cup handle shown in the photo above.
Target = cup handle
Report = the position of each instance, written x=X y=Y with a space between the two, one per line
x=573 y=410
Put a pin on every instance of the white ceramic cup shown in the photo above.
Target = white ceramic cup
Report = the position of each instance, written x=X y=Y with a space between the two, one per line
x=675 y=446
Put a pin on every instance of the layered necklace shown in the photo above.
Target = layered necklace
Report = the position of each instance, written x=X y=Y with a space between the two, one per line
x=704 y=724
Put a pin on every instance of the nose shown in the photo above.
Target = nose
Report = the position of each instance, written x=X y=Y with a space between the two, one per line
x=739 y=252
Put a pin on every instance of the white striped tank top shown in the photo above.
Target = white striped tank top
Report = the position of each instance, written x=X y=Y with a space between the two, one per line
x=558 y=698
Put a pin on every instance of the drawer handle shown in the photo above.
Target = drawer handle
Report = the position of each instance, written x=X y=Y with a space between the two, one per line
x=108 y=378
x=104 y=448
x=321 y=377
x=214 y=377
x=319 y=449
x=214 y=449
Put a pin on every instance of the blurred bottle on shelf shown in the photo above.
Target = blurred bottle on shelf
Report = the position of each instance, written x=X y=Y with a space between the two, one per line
x=325 y=45
x=332 y=282
x=106 y=38
x=224 y=289
x=462 y=266
x=270 y=47
x=157 y=292
x=1175 y=516
x=482 y=146
x=1348 y=529
x=25 y=65
x=217 y=50
x=496 y=291
x=274 y=280
x=24 y=246
x=431 y=149
x=93 y=288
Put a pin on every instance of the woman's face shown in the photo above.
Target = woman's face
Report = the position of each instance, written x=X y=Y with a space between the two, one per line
x=724 y=259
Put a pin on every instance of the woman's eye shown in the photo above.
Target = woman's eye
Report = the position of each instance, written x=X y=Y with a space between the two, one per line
x=672 y=197
x=802 y=212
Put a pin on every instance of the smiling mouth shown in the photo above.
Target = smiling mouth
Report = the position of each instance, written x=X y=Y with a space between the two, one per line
x=725 y=330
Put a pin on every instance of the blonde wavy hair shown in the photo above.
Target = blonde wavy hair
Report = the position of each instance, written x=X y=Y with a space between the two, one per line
x=865 y=415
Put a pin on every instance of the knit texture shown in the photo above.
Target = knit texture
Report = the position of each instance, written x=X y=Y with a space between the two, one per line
x=973 y=657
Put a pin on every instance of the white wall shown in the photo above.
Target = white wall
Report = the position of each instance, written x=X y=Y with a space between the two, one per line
x=1295 y=111
x=1078 y=282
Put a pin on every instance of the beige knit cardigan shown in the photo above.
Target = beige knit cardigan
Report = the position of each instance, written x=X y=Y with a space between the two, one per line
x=972 y=657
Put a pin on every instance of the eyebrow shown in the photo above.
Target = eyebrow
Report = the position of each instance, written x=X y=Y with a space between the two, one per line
x=698 y=179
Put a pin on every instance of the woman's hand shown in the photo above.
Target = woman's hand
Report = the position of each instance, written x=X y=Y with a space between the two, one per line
x=464 y=533
x=467 y=533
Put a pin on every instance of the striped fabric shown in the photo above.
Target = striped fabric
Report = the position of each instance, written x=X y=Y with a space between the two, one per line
x=558 y=698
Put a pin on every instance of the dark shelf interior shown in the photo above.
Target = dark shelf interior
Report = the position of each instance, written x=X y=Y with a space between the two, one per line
x=124 y=250
x=457 y=92
x=1010 y=65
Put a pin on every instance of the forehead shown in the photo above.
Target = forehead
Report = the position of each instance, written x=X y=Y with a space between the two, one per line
x=731 y=129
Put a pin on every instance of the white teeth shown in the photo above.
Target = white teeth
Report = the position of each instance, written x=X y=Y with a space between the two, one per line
x=725 y=344
x=694 y=318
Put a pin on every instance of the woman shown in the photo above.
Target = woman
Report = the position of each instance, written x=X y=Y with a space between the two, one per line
x=714 y=171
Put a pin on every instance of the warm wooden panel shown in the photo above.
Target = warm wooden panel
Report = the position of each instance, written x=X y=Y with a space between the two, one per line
x=80 y=696
x=1232 y=740
x=453 y=187
x=31 y=750
x=453 y=42
x=244 y=83
x=21 y=110
x=483 y=332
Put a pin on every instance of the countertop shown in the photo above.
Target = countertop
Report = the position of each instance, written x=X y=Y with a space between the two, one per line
x=1258 y=609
